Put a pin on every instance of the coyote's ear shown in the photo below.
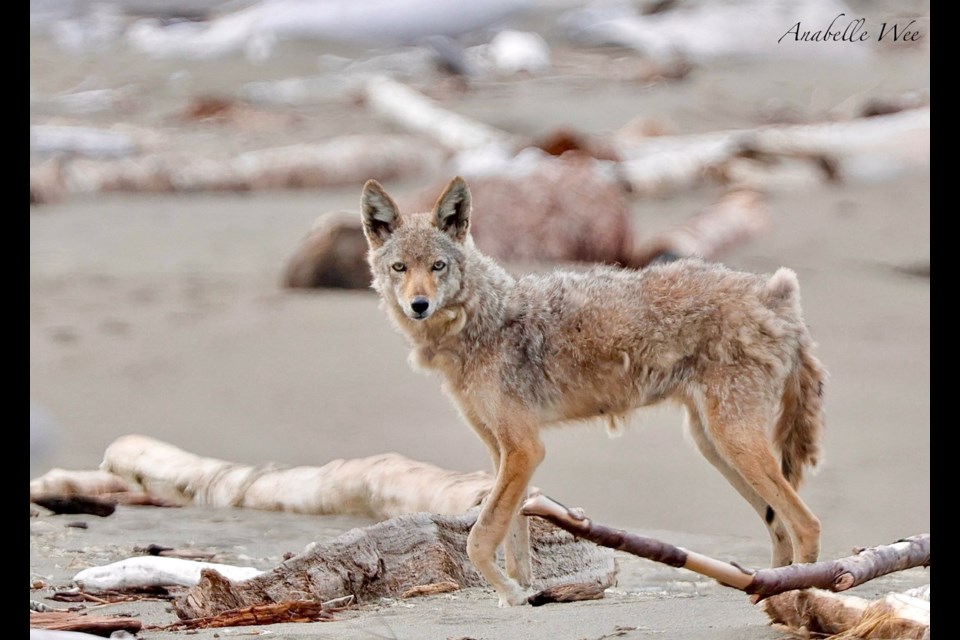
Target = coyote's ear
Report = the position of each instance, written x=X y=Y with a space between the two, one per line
x=451 y=214
x=381 y=217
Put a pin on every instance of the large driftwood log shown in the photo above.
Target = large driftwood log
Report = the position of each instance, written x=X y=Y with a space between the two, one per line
x=858 y=149
x=343 y=160
x=380 y=487
x=835 y=575
x=391 y=558
x=561 y=211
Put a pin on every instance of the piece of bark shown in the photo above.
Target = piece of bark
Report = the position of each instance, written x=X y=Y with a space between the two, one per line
x=263 y=614
x=392 y=557
x=431 y=589
x=70 y=621
x=111 y=596
x=170 y=552
x=836 y=575
x=845 y=617
x=75 y=504
x=567 y=593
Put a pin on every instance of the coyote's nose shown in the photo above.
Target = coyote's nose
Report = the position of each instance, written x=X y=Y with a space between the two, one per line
x=419 y=304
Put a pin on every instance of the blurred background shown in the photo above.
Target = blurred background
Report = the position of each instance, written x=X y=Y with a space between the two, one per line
x=197 y=273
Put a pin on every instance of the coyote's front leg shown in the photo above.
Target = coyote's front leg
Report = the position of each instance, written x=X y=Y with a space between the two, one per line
x=517 y=544
x=520 y=453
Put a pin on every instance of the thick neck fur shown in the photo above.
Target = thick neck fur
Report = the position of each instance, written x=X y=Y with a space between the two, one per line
x=468 y=323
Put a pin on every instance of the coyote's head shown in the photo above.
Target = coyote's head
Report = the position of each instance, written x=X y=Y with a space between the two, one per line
x=417 y=260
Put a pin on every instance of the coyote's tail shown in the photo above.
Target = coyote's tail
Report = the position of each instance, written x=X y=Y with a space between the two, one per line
x=798 y=431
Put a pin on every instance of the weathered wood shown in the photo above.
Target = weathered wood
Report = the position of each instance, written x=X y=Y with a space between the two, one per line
x=75 y=504
x=342 y=160
x=416 y=112
x=273 y=613
x=567 y=593
x=63 y=482
x=390 y=558
x=835 y=575
x=71 y=621
x=142 y=572
x=846 y=617
x=735 y=218
x=431 y=589
x=380 y=486
x=562 y=210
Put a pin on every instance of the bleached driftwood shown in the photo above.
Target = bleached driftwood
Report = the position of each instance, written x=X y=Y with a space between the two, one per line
x=835 y=575
x=142 y=572
x=859 y=149
x=736 y=217
x=62 y=482
x=379 y=486
x=416 y=112
x=342 y=160
x=809 y=612
x=391 y=558
x=86 y=141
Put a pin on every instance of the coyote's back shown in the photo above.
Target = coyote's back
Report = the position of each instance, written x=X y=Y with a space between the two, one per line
x=517 y=355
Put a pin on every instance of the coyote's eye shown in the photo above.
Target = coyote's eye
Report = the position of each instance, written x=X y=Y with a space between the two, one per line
x=399 y=267
x=439 y=265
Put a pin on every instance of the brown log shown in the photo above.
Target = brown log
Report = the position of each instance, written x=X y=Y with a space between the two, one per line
x=389 y=559
x=567 y=593
x=75 y=504
x=835 y=575
x=70 y=621
x=561 y=211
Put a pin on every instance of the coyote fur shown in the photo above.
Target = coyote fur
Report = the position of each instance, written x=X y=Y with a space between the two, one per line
x=520 y=354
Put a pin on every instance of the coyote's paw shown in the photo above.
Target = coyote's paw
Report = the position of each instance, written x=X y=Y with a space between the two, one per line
x=516 y=597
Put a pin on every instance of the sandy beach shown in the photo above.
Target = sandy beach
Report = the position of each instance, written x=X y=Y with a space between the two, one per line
x=163 y=315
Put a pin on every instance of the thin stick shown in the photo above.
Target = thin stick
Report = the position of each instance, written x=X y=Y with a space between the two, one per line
x=833 y=575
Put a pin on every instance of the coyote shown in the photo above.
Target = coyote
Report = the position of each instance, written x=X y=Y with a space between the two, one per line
x=520 y=354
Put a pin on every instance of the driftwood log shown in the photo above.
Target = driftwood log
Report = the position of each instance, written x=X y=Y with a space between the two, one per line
x=339 y=161
x=380 y=487
x=835 y=575
x=560 y=211
x=392 y=558
x=797 y=596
